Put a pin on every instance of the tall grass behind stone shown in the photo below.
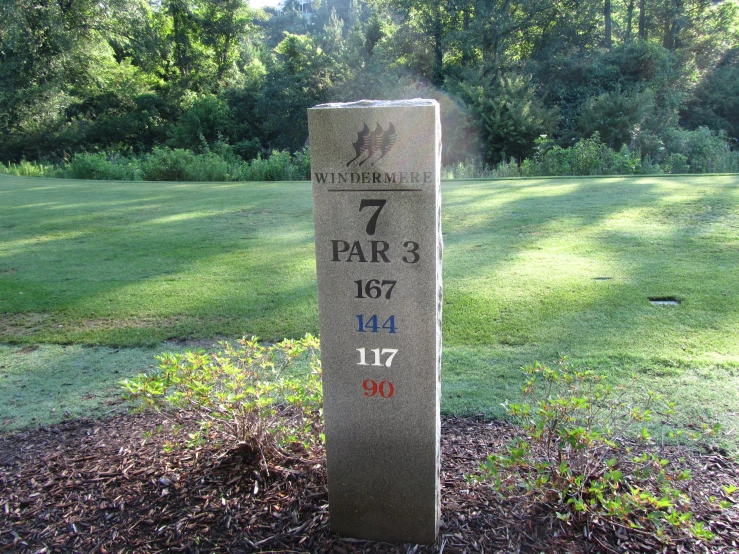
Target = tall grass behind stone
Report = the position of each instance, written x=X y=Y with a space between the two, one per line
x=678 y=152
x=475 y=168
x=280 y=166
x=29 y=169
x=167 y=164
x=704 y=150
x=102 y=166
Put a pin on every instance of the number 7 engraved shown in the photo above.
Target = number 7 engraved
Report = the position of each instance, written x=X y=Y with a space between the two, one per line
x=372 y=223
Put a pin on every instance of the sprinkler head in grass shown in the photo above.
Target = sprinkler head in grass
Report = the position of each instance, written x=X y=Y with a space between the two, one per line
x=664 y=301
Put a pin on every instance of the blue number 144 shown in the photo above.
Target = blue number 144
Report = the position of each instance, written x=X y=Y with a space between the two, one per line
x=373 y=326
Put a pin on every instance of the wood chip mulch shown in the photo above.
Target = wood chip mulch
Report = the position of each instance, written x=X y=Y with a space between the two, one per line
x=117 y=486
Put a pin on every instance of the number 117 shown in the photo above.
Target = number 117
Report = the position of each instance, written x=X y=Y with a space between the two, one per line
x=391 y=352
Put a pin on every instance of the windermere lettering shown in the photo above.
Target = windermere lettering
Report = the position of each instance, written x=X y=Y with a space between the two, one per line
x=375 y=177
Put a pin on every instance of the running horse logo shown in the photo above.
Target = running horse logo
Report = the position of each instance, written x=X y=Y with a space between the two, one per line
x=372 y=142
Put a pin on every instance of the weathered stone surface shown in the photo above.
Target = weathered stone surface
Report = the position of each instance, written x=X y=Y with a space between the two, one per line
x=376 y=192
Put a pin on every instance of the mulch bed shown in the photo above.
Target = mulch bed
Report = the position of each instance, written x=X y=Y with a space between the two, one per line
x=117 y=486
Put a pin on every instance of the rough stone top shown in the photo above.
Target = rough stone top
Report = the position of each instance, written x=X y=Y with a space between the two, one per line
x=378 y=104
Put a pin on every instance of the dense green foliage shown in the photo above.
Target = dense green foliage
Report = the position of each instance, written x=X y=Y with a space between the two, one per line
x=155 y=83
x=245 y=394
x=165 y=164
x=699 y=151
x=578 y=458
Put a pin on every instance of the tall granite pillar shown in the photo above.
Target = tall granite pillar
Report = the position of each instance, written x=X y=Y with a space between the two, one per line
x=375 y=168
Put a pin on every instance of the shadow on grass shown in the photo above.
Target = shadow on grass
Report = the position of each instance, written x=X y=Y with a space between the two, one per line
x=560 y=267
x=572 y=264
x=532 y=269
x=200 y=258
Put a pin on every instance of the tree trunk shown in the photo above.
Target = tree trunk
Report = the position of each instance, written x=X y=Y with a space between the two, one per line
x=629 y=18
x=670 y=29
x=438 y=50
x=607 y=17
x=176 y=12
x=666 y=24
x=466 y=19
x=643 y=19
x=223 y=60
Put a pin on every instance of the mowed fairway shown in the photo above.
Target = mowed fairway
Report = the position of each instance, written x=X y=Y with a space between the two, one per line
x=532 y=269
x=136 y=263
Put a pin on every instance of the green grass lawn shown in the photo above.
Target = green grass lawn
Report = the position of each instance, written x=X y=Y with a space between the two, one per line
x=532 y=269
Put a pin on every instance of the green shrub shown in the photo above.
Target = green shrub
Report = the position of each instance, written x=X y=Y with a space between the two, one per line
x=581 y=460
x=220 y=163
x=705 y=151
x=475 y=168
x=469 y=169
x=165 y=164
x=280 y=166
x=585 y=157
x=715 y=103
x=509 y=111
x=552 y=161
x=115 y=121
x=247 y=149
x=104 y=166
x=676 y=163
x=243 y=395
x=270 y=169
x=211 y=167
x=651 y=167
x=615 y=116
x=649 y=145
x=301 y=164
x=202 y=124
x=626 y=69
x=623 y=162
x=30 y=169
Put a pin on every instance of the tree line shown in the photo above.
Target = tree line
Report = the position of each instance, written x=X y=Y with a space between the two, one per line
x=652 y=80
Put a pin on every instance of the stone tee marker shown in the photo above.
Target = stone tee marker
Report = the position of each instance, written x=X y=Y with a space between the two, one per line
x=376 y=198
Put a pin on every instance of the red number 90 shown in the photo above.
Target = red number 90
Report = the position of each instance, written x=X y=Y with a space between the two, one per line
x=385 y=388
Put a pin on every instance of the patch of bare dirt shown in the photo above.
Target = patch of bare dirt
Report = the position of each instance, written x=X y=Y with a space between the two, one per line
x=19 y=325
x=27 y=324
x=118 y=486
x=108 y=323
x=192 y=344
